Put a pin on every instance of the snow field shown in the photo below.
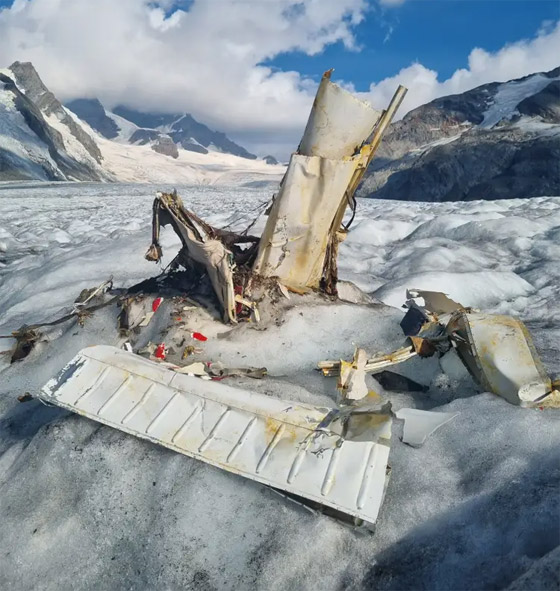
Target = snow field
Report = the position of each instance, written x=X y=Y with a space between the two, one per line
x=87 y=507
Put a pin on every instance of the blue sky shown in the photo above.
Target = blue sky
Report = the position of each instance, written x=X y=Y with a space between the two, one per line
x=440 y=34
x=250 y=67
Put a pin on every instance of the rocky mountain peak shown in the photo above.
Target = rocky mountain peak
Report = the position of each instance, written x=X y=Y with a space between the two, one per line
x=495 y=141
x=93 y=113
x=30 y=83
x=184 y=130
x=39 y=139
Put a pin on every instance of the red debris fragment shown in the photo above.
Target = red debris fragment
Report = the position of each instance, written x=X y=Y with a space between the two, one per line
x=160 y=351
x=156 y=304
x=198 y=336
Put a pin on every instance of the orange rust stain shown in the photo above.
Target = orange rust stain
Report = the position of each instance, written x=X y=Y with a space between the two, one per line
x=271 y=427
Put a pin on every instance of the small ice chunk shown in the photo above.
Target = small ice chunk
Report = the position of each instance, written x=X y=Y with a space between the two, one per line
x=420 y=424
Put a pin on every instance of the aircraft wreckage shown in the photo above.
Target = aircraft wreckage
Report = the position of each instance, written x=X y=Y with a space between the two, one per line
x=332 y=459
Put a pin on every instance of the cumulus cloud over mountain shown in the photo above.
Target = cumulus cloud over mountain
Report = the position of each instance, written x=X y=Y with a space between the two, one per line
x=206 y=57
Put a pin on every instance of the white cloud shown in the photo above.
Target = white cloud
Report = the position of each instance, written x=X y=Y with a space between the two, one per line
x=206 y=60
x=514 y=60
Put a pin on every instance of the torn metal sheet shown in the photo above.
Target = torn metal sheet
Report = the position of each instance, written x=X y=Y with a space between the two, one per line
x=294 y=241
x=501 y=356
x=299 y=245
x=298 y=448
x=420 y=424
x=216 y=251
x=338 y=124
x=203 y=249
x=435 y=302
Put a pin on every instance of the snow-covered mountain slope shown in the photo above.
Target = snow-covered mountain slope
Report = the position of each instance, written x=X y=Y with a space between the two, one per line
x=184 y=130
x=40 y=139
x=93 y=113
x=141 y=164
x=155 y=129
x=493 y=142
x=83 y=506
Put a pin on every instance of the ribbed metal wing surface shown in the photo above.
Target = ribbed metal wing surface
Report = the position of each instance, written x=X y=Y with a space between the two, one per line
x=272 y=441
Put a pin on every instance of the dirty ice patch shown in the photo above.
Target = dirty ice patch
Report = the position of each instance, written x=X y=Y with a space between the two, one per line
x=480 y=289
x=307 y=335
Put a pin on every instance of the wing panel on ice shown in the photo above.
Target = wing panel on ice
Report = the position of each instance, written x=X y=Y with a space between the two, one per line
x=275 y=442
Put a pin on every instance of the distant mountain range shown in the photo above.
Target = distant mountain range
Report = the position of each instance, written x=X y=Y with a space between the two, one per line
x=500 y=140
x=161 y=130
x=42 y=139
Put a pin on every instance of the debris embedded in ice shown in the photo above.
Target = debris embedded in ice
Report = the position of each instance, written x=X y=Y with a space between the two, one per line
x=313 y=452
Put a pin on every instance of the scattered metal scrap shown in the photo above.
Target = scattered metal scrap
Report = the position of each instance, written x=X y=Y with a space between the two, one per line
x=330 y=457
x=334 y=458
x=420 y=424
x=372 y=365
x=299 y=245
x=497 y=350
x=28 y=336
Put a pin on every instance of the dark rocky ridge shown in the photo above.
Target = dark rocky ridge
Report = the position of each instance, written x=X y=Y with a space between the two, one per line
x=160 y=142
x=28 y=79
x=545 y=104
x=12 y=167
x=166 y=146
x=505 y=161
x=144 y=136
x=481 y=164
x=146 y=120
x=93 y=113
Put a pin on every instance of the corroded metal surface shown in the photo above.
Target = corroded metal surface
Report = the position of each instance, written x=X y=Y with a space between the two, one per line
x=294 y=241
x=499 y=352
